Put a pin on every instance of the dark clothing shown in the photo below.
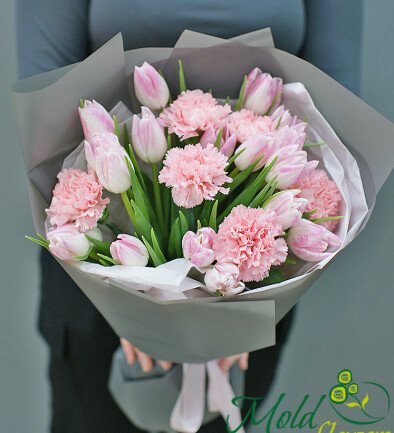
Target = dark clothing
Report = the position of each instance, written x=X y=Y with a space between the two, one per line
x=54 y=33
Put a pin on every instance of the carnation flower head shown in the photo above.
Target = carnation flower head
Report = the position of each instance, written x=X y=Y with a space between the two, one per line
x=77 y=198
x=193 y=112
x=248 y=238
x=322 y=194
x=194 y=173
x=245 y=123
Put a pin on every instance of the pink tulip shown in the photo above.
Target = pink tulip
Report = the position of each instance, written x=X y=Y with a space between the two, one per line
x=223 y=279
x=95 y=119
x=197 y=247
x=67 y=243
x=150 y=87
x=106 y=157
x=262 y=92
x=288 y=166
x=282 y=117
x=255 y=147
x=227 y=144
x=287 y=206
x=149 y=141
x=310 y=241
x=289 y=135
x=129 y=251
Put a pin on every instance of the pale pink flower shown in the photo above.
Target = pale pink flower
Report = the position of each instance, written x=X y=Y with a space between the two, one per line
x=107 y=158
x=289 y=135
x=195 y=174
x=288 y=166
x=223 y=279
x=248 y=238
x=282 y=117
x=255 y=147
x=227 y=143
x=310 y=241
x=322 y=194
x=67 y=243
x=150 y=87
x=245 y=124
x=193 y=112
x=77 y=198
x=262 y=92
x=129 y=251
x=148 y=139
x=94 y=119
x=197 y=247
x=287 y=206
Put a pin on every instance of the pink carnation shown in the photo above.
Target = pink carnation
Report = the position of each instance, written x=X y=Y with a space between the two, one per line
x=77 y=198
x=322 y=194
x=195 y=174
x=248 y=238
x=245 y=123
x=193 y=112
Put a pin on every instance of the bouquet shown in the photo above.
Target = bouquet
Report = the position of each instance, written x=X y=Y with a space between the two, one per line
x=206 y=207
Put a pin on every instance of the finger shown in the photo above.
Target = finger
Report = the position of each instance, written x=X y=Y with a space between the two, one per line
x=165 y=365
x=128 y=351
x=145 y=360
x=226 y=363
x=243 y=361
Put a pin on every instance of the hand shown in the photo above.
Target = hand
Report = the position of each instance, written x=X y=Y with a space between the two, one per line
x=226 y=363
x=146 y=362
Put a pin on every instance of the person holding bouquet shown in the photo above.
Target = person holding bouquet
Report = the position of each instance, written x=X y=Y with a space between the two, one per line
x=52 y=34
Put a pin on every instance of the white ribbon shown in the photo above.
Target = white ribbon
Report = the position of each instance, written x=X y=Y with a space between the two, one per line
x=188 y=412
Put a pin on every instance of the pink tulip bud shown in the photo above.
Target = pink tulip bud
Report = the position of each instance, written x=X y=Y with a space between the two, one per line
x=67 y=243
x=106 y=157
x=95 y=119
x=310 y=241
x=282 y=117
x=262 y=92
x=149 y=141
x=227 y=143
x=223 y=279
x=288 y=166
x=129 y=251
x=150 y=87
x=197 y=247
x=287 y=206
x=255 y=147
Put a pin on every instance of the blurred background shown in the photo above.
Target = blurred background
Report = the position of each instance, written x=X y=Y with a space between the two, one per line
x=344 y=321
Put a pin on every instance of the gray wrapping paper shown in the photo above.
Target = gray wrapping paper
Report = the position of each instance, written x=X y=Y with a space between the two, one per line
x=45 y=108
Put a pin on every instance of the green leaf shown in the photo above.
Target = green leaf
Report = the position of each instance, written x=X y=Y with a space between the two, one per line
x=314 y=144
x=156 y=246
x=101 y=246
x=275 y=276
x=365 y=401
x=352 y=404
x=213 y=216
x=103 y=262
x=175 y=240
x=183 y=223
x=219 y=139
x=155 y=258
x=135 y=165
x=243 y=175
x=198 y=224
x=308 y=214
x=37 y=241
x=182 y=80
x=234 y=157
x=126 y=137
x=321 y=220
x=142 y=225
x=206 y=210
x=107 y=259
x=81 y=103
x=240 y=101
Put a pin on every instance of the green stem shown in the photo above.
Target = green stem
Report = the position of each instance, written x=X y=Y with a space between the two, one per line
x=234 y=172
x=156 y=192
x=128 y=206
